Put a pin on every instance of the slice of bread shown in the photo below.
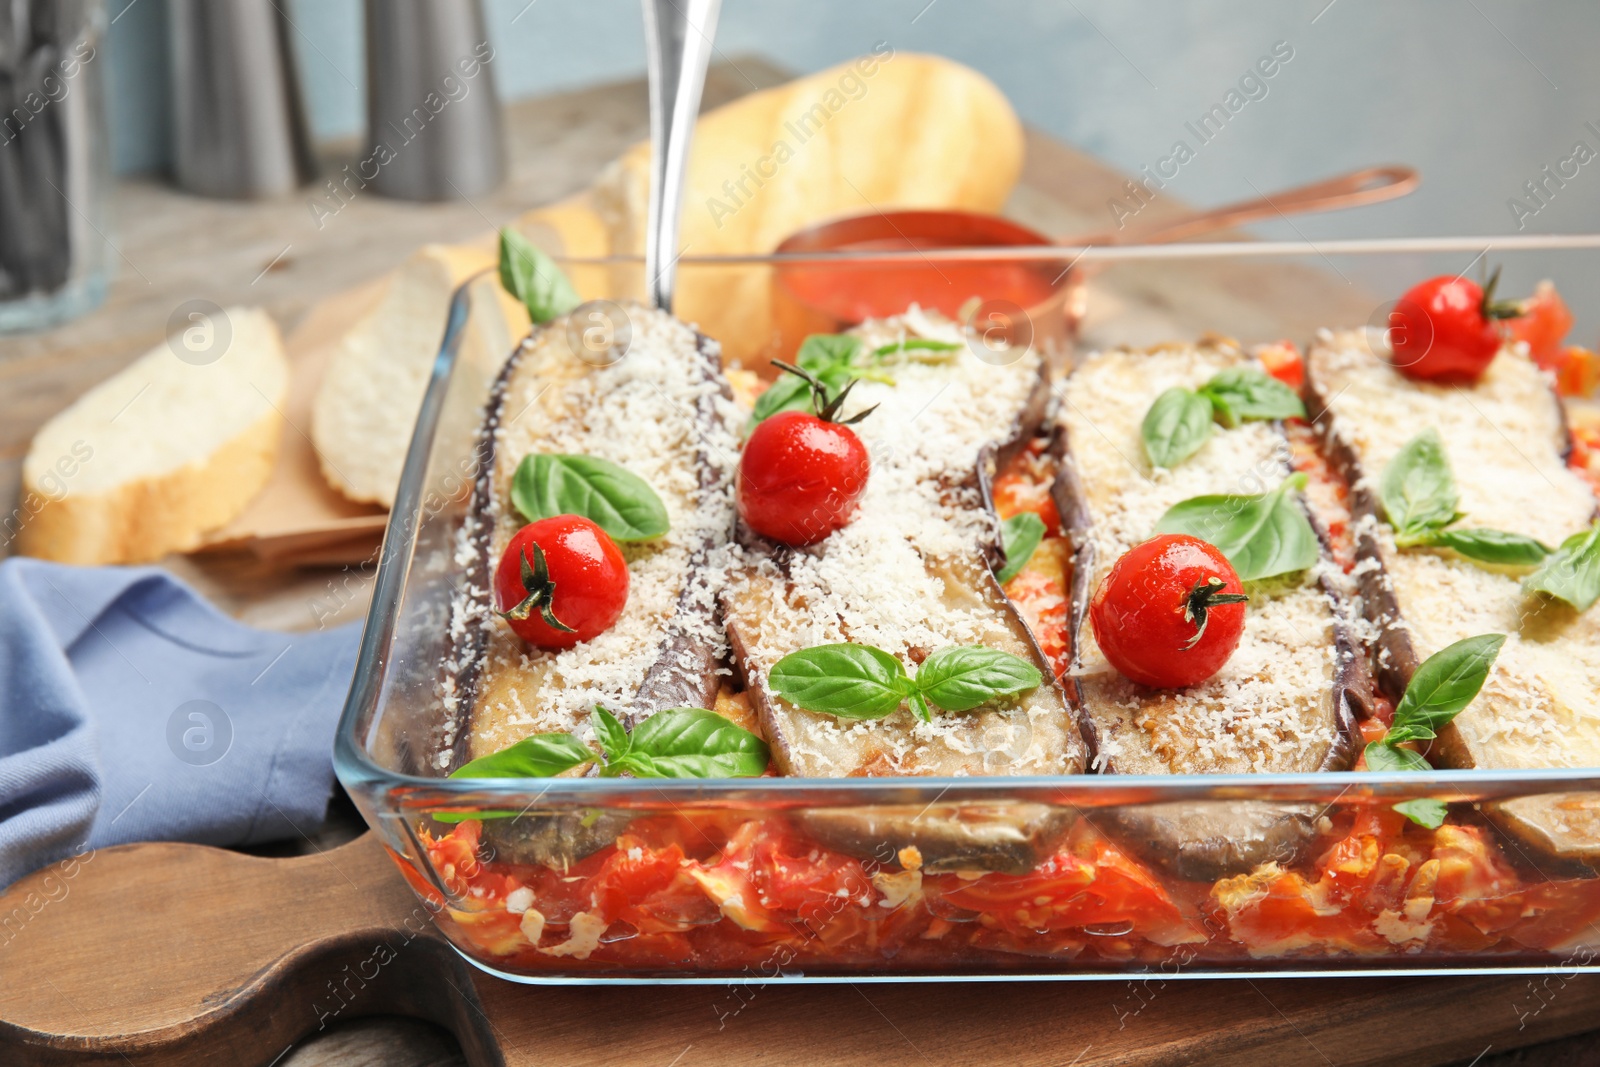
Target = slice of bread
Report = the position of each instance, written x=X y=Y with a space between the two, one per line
x=172 y=446
x=366 y=407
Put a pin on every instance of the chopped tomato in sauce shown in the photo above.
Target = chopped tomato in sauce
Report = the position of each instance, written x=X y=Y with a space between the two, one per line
x=1025 y=486
x=1282 y=360
x=1042 y=590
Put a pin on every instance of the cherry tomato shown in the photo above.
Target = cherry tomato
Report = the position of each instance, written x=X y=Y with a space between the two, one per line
x=1544 y=324
x=1446 y=329
x=1170 y=612
x=801 y=476
x=561 y=580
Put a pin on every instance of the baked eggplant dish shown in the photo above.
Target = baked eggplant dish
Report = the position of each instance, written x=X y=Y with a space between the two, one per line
x=907 y=551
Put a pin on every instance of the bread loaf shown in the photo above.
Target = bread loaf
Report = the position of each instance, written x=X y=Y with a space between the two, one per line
x=172 y=446
x=889 y=130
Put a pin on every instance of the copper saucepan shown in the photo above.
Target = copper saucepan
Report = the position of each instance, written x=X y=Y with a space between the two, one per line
x=1028 y=301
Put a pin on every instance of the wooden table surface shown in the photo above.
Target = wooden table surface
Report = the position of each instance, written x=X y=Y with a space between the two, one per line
x=173 y=248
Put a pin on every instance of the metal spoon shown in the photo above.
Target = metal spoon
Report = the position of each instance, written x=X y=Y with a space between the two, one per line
x=678 y=48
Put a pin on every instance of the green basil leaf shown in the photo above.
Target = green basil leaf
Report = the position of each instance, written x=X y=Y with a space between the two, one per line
x=1491 y=546
x=463 y=816
x=1424 y=811
x=1242 y=393
x=1418 y=491
x=1261 y=535
x=1382 y=757
x=533 y=278
x=1019 y=537
x=1446 y=682
x=825 y=351
x=694 y=743
x=914 y=344
x=1175 y=427
x=539 y=756
x=613 y=736
x=848 y=680
x=618 y=501
x=1573 y=572
x=963 y=678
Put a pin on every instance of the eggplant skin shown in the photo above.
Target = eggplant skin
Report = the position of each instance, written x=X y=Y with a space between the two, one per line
x=1204 y=840
x=1010 y=837
x=1394 y=659
x=688 y=670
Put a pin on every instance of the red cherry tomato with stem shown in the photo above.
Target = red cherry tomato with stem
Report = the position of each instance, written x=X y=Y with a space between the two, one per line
x=561 y=580
x=1447 y=329
x=802 y=475
x=1170 y=612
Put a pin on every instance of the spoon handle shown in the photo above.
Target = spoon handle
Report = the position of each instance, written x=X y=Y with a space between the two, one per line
x=678 y=48
x=1370 y=185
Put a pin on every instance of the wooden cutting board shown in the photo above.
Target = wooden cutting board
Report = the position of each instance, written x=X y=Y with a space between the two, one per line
x=183 y=955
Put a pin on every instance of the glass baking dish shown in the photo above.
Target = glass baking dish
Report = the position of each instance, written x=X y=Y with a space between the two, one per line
x=732 y=880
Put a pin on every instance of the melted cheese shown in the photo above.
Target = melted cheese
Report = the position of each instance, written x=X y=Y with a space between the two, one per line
x=1504 y=437
x=1271 y=707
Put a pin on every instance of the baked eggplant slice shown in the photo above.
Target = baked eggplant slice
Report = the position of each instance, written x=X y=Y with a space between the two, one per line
x=909 y=575
x=1209 y=839
x=1560 y=826
x=663 y=412
x=1286 y=700
x=1009 y=836
x=1506 y=439
x=1283 y=702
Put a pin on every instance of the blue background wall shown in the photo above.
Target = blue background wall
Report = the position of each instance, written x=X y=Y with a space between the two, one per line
x=1480 y=94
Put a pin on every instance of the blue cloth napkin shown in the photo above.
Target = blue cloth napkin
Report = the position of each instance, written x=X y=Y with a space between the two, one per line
x=132 y=710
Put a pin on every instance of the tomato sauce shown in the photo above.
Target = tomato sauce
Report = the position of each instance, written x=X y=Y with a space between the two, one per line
x=856 y=293
x=716 y=892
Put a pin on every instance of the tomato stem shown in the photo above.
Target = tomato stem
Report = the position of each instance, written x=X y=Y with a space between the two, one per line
x=540 y=591
x=1202 y=598
x=825 y=405
x=1504 y=309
